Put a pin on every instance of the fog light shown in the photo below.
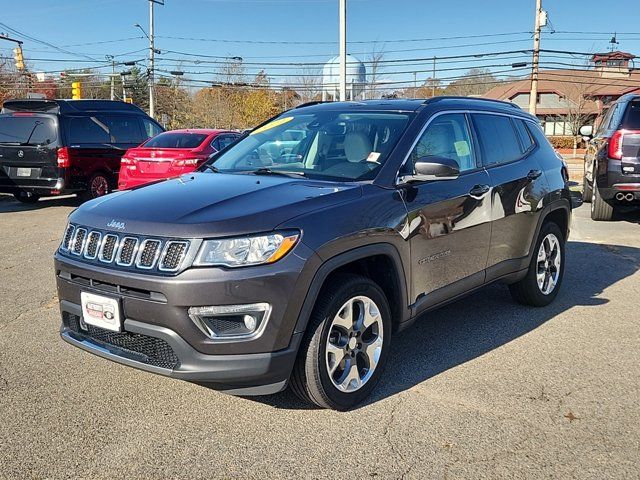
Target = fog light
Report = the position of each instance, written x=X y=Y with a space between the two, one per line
x=229 y=322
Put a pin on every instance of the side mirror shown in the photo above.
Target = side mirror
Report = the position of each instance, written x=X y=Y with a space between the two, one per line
x=586 y=131
x=433 y=167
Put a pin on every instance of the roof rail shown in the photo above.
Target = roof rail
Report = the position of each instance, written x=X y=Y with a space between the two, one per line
x=482 y=99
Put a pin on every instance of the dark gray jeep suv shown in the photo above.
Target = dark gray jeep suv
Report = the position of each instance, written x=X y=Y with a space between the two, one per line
x=293 y=261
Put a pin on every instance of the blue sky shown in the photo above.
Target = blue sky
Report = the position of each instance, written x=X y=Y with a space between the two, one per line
x=76 y=25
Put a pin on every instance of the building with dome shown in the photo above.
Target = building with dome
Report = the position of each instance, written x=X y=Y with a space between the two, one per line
x=356 y=79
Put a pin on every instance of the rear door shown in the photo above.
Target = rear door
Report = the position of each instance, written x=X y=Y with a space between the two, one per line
x=28 y=149
x=518 y=185
x=98 y=141
x=448 y=220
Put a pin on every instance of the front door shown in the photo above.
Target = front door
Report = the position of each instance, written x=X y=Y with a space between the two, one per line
x=448 y=220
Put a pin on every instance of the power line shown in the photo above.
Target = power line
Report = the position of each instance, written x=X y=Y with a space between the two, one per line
x=296 y=42
x=42 y=42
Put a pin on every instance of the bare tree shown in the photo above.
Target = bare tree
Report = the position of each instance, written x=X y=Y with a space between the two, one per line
x=580 y=110
x=376 y=68
x=310 y=84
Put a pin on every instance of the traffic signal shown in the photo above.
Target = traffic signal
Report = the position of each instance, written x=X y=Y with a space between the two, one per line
x=17 y=56
x=76 y=90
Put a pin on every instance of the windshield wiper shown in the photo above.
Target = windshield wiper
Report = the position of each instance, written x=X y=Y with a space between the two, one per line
x=36 y=125
x=284 y=173
x=212 y=168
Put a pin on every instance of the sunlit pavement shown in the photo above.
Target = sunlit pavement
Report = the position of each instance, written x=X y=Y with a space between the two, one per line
x=482 y=388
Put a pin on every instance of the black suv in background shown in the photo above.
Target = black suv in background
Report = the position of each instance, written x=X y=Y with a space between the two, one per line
x=273 y=267
x=612 y=161
x=53 y=147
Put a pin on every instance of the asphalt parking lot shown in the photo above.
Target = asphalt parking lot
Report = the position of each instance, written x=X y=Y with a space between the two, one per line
x=480 y=389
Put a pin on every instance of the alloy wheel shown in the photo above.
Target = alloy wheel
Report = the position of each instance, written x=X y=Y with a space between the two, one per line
x=354 y=344
x=548 y=264
x=99 y=186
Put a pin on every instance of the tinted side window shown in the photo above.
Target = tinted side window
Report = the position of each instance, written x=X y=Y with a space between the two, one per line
x=216 y=144
x=631 y=118
x=108 y=129
x=123 y=128
x=524 y=135
x=497 y=138
x=88 y=130
x=151 y=128
x=538 y=135
x=446 y=136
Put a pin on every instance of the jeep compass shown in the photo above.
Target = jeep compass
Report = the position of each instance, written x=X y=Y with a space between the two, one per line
x=295 y=266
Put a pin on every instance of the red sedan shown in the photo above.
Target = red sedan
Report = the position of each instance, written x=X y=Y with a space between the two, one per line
x=170 y=154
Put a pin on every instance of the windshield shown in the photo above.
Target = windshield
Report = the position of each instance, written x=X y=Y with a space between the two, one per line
x=176 y=140
x=325 y=145
x=27 y=130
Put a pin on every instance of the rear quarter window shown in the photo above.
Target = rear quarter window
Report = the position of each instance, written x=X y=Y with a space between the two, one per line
x=524 y=135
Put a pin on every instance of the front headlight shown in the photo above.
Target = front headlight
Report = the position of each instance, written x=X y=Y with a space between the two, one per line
x=245 y=251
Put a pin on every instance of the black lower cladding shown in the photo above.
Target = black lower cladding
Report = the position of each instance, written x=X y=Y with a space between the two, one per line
x=145 y=349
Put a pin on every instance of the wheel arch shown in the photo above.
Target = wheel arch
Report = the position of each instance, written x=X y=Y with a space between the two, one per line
x=381 y=262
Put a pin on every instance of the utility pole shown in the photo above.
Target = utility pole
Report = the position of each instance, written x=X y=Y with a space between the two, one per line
x=152 y=105
x=343 y=50
x=113 y=76
x=533 y=95
x=433 y=78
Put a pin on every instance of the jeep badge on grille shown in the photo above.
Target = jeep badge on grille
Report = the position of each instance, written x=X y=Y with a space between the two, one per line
x=116 y=225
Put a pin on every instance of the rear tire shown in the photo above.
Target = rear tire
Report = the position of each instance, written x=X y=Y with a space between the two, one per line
x=98 y=186
x=26 y=197
x=346 y=344
x=587 y=190
x=601 y=210
x=544 y=277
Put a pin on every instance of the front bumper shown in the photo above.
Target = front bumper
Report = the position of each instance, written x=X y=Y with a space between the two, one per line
x=172 y=356
x=156 y=307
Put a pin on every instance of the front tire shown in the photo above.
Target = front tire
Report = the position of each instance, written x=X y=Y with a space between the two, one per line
x=346 y=345
x=542 y=282
x=601 y=210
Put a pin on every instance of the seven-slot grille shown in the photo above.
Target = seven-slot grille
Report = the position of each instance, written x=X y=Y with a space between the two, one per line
x=124 y=251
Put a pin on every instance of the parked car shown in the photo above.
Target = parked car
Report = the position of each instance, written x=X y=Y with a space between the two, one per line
x=612 y=161
x=54 y=147
x=254 y=274
x=170 y=154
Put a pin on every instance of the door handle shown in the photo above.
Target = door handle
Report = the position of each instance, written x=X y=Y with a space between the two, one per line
x=534 y=174
x=479 y=191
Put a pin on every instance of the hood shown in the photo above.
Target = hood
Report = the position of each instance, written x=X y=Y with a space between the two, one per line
x=201 y=205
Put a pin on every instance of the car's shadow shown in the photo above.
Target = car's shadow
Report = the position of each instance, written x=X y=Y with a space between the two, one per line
x=8 y=204
x=464 y=330
x=628 y=214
